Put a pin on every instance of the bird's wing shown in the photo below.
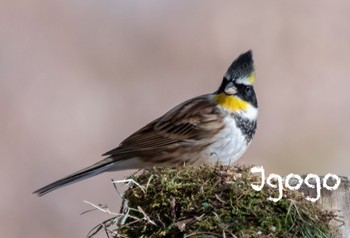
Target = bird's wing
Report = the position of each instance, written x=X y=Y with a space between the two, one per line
x=194 y=119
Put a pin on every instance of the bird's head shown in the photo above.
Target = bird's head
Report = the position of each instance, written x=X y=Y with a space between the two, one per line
x=236 y=93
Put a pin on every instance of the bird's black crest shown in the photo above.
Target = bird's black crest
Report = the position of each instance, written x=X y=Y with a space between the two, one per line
x=241 y=67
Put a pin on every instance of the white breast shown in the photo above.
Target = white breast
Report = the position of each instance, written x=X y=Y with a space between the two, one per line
x=229 y=144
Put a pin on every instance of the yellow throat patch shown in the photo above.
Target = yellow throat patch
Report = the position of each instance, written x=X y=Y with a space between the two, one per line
x=230 y=102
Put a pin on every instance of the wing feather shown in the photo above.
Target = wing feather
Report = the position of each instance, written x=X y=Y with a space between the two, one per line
x=191 y=120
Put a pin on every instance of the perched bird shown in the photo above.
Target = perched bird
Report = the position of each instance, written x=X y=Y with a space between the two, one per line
x=208 y=128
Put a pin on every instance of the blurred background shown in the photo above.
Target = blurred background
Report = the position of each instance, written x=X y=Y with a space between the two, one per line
x=77 y=77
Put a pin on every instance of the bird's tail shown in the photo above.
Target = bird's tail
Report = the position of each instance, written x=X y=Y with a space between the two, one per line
x=95 y=169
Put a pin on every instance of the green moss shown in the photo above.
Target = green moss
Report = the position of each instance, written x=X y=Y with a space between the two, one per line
x=214 y=201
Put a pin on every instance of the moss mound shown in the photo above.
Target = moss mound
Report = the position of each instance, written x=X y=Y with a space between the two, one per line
x=214 y=201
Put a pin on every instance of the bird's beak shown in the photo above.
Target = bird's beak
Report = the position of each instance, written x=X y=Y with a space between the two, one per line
x=230 y=89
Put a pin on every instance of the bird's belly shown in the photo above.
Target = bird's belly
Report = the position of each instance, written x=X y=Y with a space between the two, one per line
x=228 y=145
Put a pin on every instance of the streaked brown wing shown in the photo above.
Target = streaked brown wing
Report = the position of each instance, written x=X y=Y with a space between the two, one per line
x=195 y=119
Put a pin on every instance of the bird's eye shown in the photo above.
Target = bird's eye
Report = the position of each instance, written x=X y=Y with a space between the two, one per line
x=247 y=90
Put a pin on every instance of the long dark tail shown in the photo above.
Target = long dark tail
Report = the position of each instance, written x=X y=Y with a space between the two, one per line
x=95 y=169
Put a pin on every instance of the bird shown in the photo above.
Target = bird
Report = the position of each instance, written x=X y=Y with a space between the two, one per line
x=215 y=127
